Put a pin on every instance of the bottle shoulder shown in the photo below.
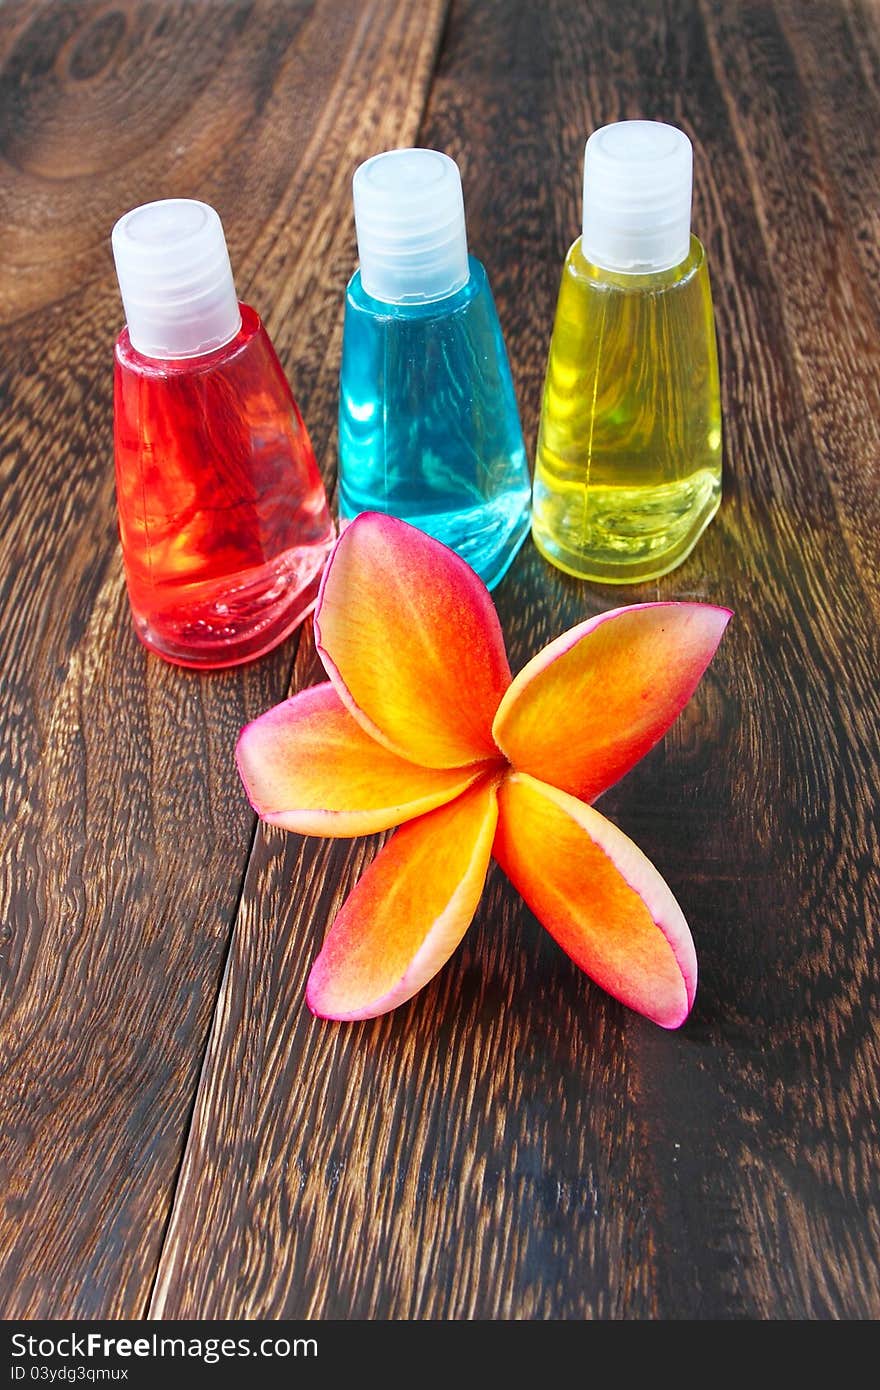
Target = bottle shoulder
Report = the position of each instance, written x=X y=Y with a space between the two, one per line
x=250 y=332
x=358 y=302
x=579 y=271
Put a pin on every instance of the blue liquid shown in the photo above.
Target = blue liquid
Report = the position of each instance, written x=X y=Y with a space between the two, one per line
x=428 y=424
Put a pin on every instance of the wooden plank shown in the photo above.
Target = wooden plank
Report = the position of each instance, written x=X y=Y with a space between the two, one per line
x=125 y=834
x=798 y=101
x=836 y=51
x=512 y=1144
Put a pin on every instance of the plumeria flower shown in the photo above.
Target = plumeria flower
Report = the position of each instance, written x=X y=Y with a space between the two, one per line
x=421 y=726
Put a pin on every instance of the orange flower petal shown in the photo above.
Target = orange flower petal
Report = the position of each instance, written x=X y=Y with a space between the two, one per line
x=409 y=911
x=308 y=766
x=599 y=897
x=592 y=703
x=410 y=638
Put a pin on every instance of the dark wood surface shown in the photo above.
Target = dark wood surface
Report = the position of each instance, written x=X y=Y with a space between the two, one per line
x=178 y=1135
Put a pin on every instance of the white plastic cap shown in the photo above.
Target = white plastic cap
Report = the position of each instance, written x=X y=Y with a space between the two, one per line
x=638 y=177
x=175 y=278
x=409 y=217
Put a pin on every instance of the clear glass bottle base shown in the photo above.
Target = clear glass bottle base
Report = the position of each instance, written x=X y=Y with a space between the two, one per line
x=619 y=535
x=208 y=628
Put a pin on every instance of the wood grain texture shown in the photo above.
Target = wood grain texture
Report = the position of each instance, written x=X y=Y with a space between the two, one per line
x=812 y=168
x=125 y=837
x=512 y=1144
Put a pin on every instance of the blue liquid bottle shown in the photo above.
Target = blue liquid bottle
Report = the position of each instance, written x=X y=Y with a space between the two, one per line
x=428 y=424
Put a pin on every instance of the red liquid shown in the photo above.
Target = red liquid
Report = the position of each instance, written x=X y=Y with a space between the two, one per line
x=222 y=513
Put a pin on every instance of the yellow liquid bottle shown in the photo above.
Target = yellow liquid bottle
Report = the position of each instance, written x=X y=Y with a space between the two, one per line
x=628 y=466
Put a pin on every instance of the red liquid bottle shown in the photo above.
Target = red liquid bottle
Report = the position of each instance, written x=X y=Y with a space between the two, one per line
x=223 y=517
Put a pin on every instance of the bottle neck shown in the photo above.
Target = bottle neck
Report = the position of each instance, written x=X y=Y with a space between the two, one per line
x=580 y=264
x=409 y=283
x=130 y=356
x=164 y=336
x=418 y=309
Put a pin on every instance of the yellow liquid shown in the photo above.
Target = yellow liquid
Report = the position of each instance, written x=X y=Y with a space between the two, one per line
x=628 y=467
